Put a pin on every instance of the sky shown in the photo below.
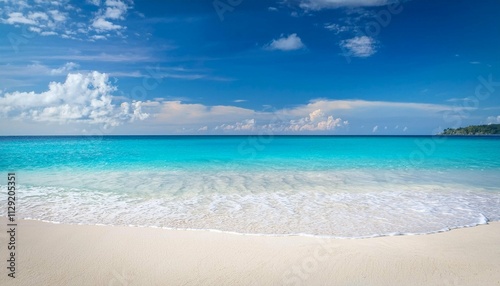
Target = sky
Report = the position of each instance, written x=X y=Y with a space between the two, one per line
x=299 y=67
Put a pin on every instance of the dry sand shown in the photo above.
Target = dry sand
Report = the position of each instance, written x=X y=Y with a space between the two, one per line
x=56 y=254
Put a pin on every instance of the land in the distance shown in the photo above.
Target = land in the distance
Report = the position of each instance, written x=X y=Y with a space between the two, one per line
x=491 y=129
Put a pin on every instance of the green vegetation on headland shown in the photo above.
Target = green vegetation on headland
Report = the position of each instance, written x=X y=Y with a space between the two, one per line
x=492 y=129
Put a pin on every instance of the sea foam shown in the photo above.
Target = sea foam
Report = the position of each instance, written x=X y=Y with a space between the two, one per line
x=331 y=203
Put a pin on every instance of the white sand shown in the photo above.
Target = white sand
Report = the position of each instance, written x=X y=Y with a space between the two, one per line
x=51 y=254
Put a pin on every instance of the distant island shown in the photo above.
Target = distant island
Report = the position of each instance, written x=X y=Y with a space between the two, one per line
x=492 y=129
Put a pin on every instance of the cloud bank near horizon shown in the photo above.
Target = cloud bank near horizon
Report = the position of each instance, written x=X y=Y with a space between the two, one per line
x=87 y=100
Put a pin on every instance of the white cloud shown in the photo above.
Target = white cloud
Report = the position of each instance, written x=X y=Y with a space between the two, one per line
x=18 y=18
x=362 y=46
x=459 y=99
x=331 y=4
x=178 y=113
x=133 y=110
x=183 y=76
x=65 y=69
x=393 y=108
x=336 y=28
x=98 y=37
x=50 y=33
x=88 y=99
x=82 y=98
x=316 y=116
x=35 y=29
x=272 y=9
x=95 y=2
x=38 y=16
x=115 y=9
x=38 y=21
x=102 y=57
x=101 y=24
x=245 y=125
x=375 y=129
x=49 y=18
x=354 y=30
x=493 y=120
x=35 y=69
x=57 y=16
x=316 y=121
x=286 y=43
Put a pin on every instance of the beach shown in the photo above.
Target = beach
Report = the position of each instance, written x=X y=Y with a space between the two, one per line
x=61 y=254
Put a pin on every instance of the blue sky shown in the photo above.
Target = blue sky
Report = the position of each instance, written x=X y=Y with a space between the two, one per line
x=378 y=67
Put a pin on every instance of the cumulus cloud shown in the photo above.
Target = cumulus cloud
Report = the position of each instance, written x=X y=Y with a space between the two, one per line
x=362 y=46
x=286 y=43
x=57 y=15
x=101 y=24
x=113 y=10
x=82 y=98
x=493 y=120
x=19 y=18
x=331 y=4
x=316 y=121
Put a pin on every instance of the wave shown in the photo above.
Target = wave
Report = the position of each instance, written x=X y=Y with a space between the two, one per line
x=341 y=213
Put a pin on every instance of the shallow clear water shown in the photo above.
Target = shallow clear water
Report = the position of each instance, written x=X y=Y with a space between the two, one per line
x=331 y=186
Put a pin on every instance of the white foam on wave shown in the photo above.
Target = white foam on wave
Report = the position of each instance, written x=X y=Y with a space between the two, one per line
x=300 y=203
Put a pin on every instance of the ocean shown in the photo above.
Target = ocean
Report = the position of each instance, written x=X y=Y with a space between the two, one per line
x=332 y=186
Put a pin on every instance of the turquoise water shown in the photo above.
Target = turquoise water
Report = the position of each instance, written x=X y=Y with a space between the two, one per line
x=332 y=186
x=219 y=152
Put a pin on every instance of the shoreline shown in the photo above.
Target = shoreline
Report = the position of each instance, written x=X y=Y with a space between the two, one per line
x=448 y=229
x=64 y=254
